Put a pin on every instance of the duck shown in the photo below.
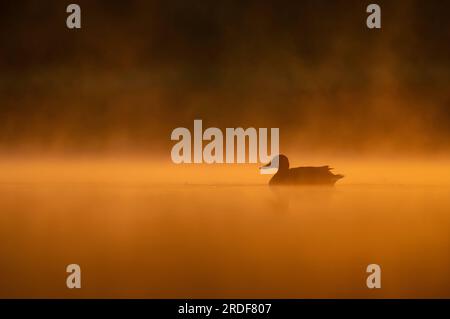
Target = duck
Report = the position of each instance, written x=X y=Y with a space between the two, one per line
x=308 y=175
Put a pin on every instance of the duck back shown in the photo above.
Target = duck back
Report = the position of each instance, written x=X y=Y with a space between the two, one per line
x=305 y=176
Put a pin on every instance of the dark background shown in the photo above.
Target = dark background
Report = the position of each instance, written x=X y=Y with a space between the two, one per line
x=138 y=69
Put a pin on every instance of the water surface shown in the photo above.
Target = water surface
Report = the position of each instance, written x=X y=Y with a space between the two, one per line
x=186 y=241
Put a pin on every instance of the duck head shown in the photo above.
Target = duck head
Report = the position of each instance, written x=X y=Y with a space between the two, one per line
x=279 y=164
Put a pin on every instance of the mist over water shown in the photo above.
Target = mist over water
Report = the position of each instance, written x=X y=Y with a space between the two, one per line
x=224 y=241
x=168 y=231
x=85 y=169
x=312 y=69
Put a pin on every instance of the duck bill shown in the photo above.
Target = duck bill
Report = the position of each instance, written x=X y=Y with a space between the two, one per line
x=265 y=166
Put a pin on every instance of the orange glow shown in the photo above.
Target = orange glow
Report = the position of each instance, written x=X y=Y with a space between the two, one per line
x=145 y=229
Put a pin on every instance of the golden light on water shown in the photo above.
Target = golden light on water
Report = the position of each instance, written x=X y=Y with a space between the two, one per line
x=142 y=229
x=86 y=177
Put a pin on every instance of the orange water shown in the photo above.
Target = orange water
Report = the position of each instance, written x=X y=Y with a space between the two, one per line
x=136 y=239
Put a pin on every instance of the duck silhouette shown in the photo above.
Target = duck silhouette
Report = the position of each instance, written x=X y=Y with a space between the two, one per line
x=321 y=175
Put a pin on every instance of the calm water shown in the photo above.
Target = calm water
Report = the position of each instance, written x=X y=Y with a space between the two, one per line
x=223 y=241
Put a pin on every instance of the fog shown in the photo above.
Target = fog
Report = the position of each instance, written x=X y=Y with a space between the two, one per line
x=224 y=241
x=136 y=71
x=86 y=175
